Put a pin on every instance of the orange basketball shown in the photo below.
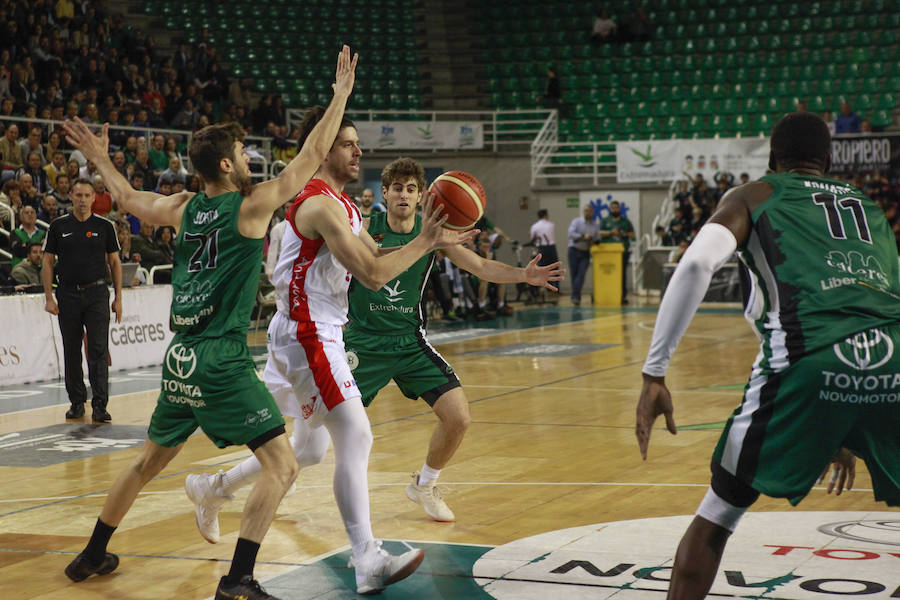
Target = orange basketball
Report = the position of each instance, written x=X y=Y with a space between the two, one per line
x=462 y=197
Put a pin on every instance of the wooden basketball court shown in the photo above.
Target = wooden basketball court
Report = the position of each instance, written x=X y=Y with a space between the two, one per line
x=551 y=446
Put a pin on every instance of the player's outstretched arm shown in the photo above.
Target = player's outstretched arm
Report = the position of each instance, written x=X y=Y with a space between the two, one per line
x=713 y=246
x=146 y=206
x=498 y=272
x=357 y=257
x=267 y=197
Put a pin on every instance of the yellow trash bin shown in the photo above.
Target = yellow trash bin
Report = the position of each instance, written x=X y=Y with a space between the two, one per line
x=607 y=269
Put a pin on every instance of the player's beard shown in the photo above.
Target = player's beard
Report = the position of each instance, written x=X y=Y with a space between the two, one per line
x=241 y=182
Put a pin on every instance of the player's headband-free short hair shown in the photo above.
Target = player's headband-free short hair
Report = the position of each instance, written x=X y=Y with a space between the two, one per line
x=401 y=170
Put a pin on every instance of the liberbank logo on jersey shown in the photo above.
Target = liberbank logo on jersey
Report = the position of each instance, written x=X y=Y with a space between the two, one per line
x=778 y=555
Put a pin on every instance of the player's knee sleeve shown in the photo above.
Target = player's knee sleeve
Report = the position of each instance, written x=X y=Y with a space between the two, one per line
x=716 y=510
x=310 y=448
x=349 y=428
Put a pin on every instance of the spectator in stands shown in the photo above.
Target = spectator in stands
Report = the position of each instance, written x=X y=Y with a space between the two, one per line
x=131 y=148
x=137 y=180
x=721 y=187
x=49 y=209
x=678 y=227
x=61 y=193
x=103 y=202
x=173 y=171
x=829 y=120
x=38 y=176
x=865 y=127
x=143 y=166
x=28 y=271
x=143 y=244
x=56 y=167
x=165 y=242
x=157 y=152
x=88 y=170
x=800 y=105
x=171 y=148
x=552 y=91
x=583 y=232
x=662 y=237
x=120 y=163
x=10 y=151
x=187 y=117
x=604 y=30
x=848 y=121
x=745 y=178
x=10 y=203
x=26 y=232
x=123 y=234
x=32 y=143
x=30 y=196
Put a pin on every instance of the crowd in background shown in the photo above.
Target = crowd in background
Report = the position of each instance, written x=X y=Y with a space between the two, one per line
x=695 y=200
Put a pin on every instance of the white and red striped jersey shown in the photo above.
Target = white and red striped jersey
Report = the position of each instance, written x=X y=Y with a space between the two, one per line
x=310 y=284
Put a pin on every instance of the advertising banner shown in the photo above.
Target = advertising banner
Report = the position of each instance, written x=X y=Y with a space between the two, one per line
x=420 y=135
x=666 y=160
x=27 y=348
x=865 y=154
x=31 y=345
x=648 y=161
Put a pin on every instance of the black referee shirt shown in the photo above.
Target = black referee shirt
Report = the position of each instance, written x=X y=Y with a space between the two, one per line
x=81 y=248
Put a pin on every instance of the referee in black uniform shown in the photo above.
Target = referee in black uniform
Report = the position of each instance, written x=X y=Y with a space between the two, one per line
x=85 y=244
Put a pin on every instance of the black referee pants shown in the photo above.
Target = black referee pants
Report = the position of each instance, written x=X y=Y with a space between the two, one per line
x=80 y=311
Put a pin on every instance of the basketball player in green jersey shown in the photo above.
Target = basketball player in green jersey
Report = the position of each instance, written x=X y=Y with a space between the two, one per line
x=825 y=304
x=209 y=378
x=386 y=340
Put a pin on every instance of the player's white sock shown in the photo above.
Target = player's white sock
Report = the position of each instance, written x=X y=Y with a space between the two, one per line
x=240 y=475
x=482 y=303
x=501 y=303
x=352 y=435
x=427 y=474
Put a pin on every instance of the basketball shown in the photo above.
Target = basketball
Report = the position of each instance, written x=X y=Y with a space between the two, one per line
x=462 y=197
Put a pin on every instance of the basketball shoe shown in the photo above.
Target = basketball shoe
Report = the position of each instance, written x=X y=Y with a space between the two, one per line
x=376 y=568
x=431 y=499
x=81 y=568
x=201 y=489
x=245 y=589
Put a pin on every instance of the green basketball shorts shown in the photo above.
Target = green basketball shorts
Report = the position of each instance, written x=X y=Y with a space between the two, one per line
x=791 y=423
x=212 y=383
x=410 y=360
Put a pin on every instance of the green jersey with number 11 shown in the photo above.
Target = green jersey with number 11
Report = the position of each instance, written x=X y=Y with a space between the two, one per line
x=823 y=265
x=216 y=271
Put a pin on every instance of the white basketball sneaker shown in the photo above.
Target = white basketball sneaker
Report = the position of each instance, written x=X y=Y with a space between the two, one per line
x=376 y=568
x=429 y=496
x=201 y=489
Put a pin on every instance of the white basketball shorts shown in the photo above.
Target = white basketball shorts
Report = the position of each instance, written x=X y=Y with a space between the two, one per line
x=313 y=367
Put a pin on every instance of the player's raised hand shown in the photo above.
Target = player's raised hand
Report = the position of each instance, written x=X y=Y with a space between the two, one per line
x=844 y=473
x=345 y=75
x=94 y=147
x=542 y=276
x=655 y=400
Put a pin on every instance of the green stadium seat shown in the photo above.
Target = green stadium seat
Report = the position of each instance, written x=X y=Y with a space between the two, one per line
x=881 y=118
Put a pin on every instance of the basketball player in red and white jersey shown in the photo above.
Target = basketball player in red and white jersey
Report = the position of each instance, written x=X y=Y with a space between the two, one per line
x=307 y=371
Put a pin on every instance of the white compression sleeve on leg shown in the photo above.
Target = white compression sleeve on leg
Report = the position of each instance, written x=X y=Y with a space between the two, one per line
x=716 y=510
x=711 y=249
x=351 y=433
